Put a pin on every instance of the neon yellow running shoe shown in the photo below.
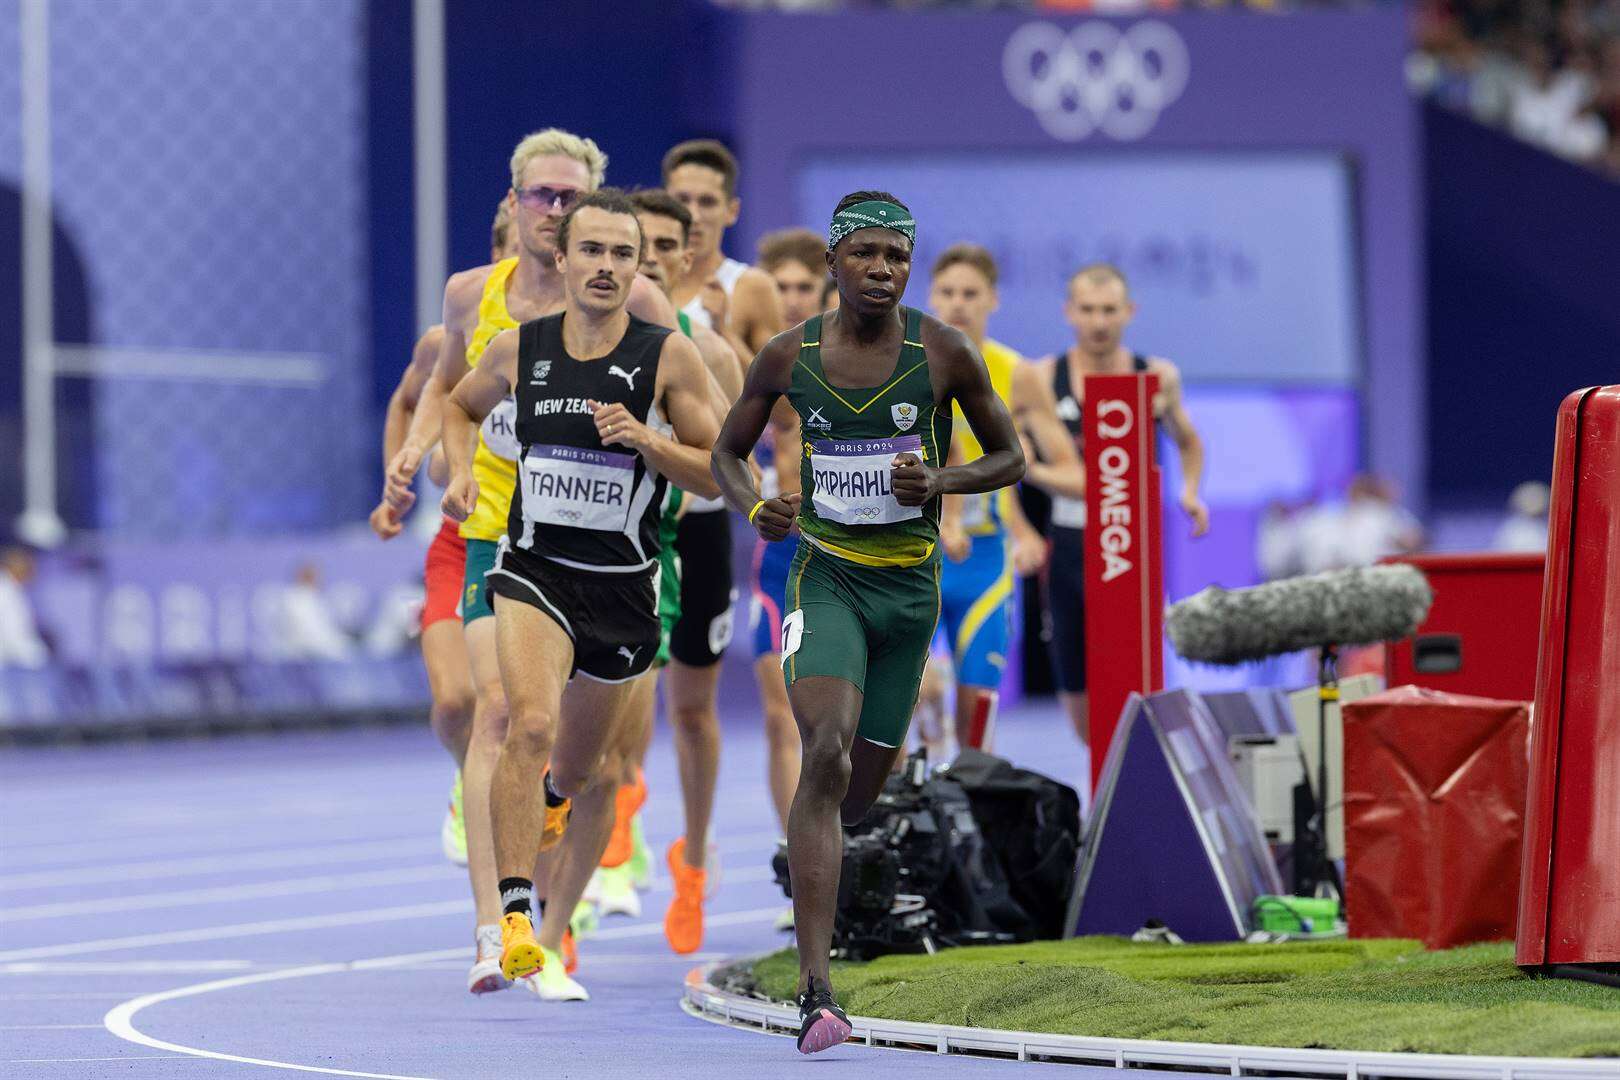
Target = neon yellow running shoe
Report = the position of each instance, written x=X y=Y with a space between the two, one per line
x=641 y=856
x=453 y=832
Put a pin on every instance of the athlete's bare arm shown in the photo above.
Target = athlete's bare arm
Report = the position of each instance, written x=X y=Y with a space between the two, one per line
x=402 y=405
x=952 y=536
x=1035 y=410
x=473 y=398
x=462 y=294
x=768 y=379
x=785 y=436
x=1173 y=414
x=756 y=309
x=406 y=400
x=683 y=395
x=957 y=371
x=721 y=360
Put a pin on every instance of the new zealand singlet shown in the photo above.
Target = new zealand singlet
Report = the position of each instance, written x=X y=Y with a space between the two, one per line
x=580 y=503
x=582 y=537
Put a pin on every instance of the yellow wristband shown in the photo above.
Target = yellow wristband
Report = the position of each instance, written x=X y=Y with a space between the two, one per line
x=752 y=514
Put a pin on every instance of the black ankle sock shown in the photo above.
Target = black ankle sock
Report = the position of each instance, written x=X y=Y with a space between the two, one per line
x=552 y=798
x=517 y=895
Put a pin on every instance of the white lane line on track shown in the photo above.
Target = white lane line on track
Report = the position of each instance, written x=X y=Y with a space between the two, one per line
x=121 y=1057
x=410 y=875
x=249 y=929
x=83 y=995
x=120 y=1019
x=235 y=863
x=179 y=840
x=277 y=926
x=47 y=1027
x=126 y=967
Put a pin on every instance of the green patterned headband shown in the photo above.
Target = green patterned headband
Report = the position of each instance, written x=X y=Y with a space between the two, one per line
x=872 y=214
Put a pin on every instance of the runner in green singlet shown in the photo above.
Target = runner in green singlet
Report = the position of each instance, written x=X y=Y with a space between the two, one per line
x=872 y=383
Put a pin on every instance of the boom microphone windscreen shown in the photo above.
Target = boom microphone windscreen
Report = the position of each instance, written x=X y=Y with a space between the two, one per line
x=1341 y=607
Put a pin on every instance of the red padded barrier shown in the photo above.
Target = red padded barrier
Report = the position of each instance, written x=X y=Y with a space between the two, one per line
x=1434 y=788
x=1569 y=907
x=1480 y=637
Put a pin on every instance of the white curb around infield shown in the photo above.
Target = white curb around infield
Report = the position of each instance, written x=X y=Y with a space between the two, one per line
x=705 y=1001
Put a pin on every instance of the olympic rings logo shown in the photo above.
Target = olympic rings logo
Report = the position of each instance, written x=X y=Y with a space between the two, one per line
x=1095 y=78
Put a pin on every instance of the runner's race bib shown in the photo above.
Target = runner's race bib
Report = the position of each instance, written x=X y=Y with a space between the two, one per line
x=577 y=488
x=499 y=430
x=852 y=479
x=976 y=517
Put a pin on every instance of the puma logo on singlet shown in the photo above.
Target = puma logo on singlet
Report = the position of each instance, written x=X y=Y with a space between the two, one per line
x=629 y=377
x=626 y=651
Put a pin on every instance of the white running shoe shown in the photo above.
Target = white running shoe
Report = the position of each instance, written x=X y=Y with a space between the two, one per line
x=485 y=976
x=593 y=888
x=784 y=921
x=618 y=893
x=552 y=983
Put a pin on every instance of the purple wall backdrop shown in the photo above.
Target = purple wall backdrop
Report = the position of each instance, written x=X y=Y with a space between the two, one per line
x=880 y=82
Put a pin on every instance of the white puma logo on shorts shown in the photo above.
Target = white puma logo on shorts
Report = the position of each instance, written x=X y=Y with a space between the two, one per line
x=629 y=377
x=626 y=651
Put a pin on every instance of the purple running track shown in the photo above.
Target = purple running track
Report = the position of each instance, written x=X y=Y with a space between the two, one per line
x=269 y=864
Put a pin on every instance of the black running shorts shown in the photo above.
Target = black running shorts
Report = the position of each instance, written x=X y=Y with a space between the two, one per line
x=1066 y=609
x=612 y=618
x=703 y=631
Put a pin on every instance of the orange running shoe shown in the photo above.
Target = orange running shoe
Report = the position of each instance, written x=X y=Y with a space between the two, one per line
x=556 y=823
x=683 y=922
x=520 y=953
x=570 y=953
x=627 y=800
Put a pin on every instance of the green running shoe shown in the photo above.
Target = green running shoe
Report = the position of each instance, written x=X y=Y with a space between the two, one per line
x=453 y=832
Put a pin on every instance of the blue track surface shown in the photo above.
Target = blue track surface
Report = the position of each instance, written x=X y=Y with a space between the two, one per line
x=269 y=864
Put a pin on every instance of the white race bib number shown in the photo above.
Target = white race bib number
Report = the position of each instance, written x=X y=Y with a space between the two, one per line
x=792 y=633
x=852 y=479
x=1069 y=513
x=577 y=488
x=499 y=430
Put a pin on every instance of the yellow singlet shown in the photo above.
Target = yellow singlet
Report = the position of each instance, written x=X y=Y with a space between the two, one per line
x=494 y=461
x=980 y=515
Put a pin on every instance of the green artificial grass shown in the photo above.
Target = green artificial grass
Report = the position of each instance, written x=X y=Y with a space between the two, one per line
x=1372 y=995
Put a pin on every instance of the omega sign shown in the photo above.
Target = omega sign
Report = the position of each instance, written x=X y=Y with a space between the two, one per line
x=1114 y=421
x=1096 y=77
x=1123 y=551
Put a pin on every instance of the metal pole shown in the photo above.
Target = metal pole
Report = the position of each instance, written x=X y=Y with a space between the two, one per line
x=39 y=524
x=428 y=102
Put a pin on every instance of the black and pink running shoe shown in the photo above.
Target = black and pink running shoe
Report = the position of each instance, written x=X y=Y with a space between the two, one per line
x=822 y=1024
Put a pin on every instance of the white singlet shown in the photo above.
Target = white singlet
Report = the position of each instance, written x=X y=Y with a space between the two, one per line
x=727 y=276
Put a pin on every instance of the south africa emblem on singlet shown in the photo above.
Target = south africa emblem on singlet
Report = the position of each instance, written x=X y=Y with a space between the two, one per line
x=904 y=415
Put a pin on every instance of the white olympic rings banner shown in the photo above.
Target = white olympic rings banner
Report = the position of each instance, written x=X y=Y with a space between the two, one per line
x=1096 y=77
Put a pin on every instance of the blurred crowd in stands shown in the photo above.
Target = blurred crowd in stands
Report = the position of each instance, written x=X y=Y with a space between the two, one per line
x=1547 y=70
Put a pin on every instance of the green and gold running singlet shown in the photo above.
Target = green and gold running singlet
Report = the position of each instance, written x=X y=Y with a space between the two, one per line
x=850 y=437
x=863 y=592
